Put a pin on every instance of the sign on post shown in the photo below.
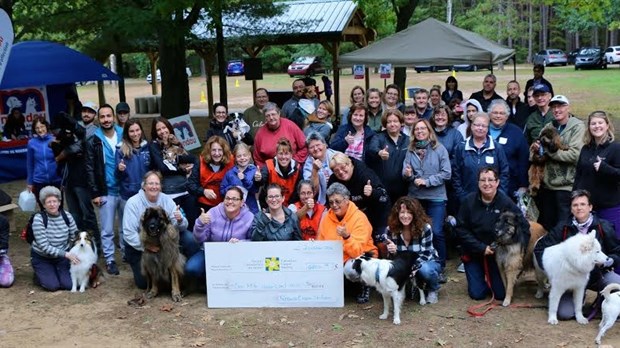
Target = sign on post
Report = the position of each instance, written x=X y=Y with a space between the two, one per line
x=274 y=274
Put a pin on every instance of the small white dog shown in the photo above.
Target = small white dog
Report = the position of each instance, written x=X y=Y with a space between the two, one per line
x=610 y=309
x=85 y=250
x=389 y=277
x=567 y=266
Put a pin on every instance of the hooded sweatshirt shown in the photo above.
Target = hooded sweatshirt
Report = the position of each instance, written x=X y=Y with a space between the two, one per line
x=221 y=228
x=463 y=127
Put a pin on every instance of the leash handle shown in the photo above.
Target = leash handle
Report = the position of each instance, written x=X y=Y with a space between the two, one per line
x=473 y=310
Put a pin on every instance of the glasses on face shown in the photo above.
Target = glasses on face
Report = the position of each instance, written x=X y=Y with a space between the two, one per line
x=498 y=113
x=479 y=125
x=487 y=180
x=232 y=199
x=335 y=202
x=420 y=129
x=274 y=197
x=153 y=184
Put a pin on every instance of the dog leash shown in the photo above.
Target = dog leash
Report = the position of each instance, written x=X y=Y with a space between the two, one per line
x=474 y=310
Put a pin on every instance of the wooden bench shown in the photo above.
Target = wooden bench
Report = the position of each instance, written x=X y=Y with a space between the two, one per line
x=7 y=211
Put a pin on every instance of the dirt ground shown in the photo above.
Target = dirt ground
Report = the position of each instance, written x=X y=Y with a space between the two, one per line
x=102 y=317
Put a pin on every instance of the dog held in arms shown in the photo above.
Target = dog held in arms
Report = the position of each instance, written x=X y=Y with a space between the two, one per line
x=86 y=272
x=567 y=265
x=550 y=142
x=161 y=260
x=389 y=277
x=514 y=249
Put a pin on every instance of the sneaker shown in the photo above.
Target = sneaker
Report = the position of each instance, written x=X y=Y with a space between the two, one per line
x=7 y=276
x=461 y=268
x=432 y=297
x=111 y=268
x=442 y=278
x=364 y=295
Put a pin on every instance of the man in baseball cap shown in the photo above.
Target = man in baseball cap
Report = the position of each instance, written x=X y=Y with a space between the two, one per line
x=542 y=115
x=122 y=113
x=89 y=111
x=559 y=99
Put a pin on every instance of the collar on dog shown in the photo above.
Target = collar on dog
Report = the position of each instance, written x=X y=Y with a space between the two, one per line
x=377 y=275
x=152 y=248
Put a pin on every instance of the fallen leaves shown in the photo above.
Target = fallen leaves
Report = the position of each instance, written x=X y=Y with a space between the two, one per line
x=168 y=307
x=138 y=301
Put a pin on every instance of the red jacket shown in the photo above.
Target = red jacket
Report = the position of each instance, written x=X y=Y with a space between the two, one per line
x=212 y=180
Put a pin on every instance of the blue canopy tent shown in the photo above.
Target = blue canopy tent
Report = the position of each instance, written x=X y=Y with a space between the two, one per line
x=35 y=64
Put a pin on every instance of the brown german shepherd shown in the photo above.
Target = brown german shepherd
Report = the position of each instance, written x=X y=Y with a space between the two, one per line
x=161 y=259
x=513 y=251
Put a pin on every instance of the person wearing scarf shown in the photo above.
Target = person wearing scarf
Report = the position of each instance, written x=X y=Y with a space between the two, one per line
x=583 y=220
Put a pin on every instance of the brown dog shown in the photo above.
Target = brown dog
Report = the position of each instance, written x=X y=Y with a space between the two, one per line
x=161 y=259
x=513 y=251
x=550 y=142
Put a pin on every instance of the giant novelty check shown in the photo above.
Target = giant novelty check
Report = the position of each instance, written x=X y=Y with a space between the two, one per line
x=274 y=274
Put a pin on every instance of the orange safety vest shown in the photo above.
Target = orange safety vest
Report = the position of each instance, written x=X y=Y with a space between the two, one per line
x=288 y=184
x=210 y=180
x=310 y=226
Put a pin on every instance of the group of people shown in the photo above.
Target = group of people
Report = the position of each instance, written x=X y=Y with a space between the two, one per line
x=386 y=178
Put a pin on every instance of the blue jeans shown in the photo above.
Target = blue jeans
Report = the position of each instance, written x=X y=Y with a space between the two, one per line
x=195 y=266
x=429 y=272
x=436 y=210
x=476 y=283
x=189 y=246
x=107 y=213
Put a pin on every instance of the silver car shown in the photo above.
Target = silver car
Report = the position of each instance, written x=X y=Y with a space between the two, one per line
x=551 y=57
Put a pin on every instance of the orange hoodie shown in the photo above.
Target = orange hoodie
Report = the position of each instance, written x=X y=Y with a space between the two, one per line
x=356 y=224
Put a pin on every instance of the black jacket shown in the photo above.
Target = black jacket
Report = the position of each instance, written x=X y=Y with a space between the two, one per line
x=520 y=114
x=391 y=170
x=475 y=222
x=174 y=177
x=95 y=167
x=216 y=128
x=604 y=184
x=479 y=96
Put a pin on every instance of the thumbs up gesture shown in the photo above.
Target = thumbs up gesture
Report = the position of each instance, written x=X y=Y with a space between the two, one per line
x=258 y=176
x=177 y=214
x=342 y=231
x=367 y=189
x=122 y=166
x=384 y=154
x=349 y=138
x=205 y=218
x=408 y=172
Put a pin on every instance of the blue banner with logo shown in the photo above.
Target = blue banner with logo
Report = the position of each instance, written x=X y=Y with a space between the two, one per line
x=13 y=160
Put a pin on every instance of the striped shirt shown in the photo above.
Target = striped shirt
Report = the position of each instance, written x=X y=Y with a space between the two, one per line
x=423 y=246
x=54 y=240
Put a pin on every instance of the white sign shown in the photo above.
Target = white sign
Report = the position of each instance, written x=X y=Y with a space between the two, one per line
x=6 y=40
x=185 y=132
x=274 y=274
x=385 y=71
x=31 y=101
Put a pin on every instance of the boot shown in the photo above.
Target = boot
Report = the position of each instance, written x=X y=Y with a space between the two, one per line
x=364 y=295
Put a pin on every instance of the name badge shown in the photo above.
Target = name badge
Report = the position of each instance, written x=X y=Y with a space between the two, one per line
x=489 y=160
x=502 y=140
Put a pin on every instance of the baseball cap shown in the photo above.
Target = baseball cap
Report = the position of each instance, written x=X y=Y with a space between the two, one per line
x=559 y=99
x=90 y=105
x=540 y=88
x=122 y=107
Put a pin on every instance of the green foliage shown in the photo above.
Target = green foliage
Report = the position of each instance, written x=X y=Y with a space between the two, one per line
x=379 y=15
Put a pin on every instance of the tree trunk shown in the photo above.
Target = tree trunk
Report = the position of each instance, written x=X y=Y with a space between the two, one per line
x=530 y=32
x=544 y=21
x=174 y=85
x=403 y=15
x=449 y=12
x=221 y=58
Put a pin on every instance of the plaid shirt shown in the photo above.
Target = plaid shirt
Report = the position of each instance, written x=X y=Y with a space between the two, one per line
x=423 y=246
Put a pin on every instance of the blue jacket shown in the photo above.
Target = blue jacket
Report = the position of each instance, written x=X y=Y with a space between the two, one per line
x=339 y=144
x=517 y=153
x=468 y=161
x=139 y=162
x=231 y=179
x=41 y=165
x=390 y=169
x=450 y=138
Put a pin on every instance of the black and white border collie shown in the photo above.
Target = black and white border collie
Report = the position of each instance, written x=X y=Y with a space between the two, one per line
x=389 y=277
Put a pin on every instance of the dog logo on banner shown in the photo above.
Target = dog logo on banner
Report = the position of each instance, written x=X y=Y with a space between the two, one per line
x=30 y=101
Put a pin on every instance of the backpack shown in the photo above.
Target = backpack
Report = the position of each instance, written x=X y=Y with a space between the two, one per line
x=27 y=233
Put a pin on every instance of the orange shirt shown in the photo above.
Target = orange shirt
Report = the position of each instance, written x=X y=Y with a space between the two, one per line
x=211 y=180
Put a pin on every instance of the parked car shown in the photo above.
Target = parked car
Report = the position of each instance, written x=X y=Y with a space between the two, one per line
x=550 y=57
x=149 y=77
x=431 y=68
x=570 y=57
x=469 y=67
x=612 y=54
x=590 y=57
x=305 y=66
x=235 y=68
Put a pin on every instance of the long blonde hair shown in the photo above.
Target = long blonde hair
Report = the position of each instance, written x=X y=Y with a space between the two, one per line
x=126 y=145
x=587 y=137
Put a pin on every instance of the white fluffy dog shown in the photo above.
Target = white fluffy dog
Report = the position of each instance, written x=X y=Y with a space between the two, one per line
x=567 y=266
x=610 y=309
x=389 y=277
x=84 y=248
